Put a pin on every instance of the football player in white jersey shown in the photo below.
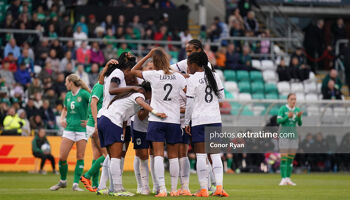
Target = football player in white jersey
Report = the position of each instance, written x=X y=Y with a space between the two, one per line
x=204 y=89
x=110 y=128
x=166 y=86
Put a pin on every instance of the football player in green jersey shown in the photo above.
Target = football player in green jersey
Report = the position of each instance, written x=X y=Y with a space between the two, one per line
x=289 y=116
x=73 y=119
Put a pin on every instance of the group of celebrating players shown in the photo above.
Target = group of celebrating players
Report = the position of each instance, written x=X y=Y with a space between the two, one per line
x=156 y=104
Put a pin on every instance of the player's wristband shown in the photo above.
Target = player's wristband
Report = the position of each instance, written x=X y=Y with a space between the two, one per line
x=154 y=112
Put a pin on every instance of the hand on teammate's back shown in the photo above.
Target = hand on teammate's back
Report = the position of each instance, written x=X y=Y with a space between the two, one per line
x=161 y=115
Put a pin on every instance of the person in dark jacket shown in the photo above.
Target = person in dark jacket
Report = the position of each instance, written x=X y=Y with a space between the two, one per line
x=41 y=149
x=48 y=115
x=232 y=57
x=331 y=92
x=283 y=71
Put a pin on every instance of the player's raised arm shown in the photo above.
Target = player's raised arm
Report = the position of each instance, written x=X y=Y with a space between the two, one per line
x=137 y=69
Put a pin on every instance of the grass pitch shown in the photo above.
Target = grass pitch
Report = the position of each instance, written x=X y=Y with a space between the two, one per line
x=242 y=186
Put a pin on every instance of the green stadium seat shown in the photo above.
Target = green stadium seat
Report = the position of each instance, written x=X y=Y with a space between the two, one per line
x=242 y=75
x=257 y=87
x=258 y=96
x=274 y=110
x=230 y=75
x=283 y=97
x=228 y=95
x=244 y=87
x=246 y=111
x=270 y=88
x=256 y=76
x=271 y=96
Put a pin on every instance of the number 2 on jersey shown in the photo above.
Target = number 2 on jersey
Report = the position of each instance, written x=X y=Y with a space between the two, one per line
x=166 y=86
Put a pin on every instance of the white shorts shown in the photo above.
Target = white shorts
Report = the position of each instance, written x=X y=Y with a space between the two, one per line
x=89 y=131
x=288 y=143
x=75 y=136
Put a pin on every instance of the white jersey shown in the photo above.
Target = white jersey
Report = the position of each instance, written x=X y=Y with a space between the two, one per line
x=117 y=73
x=182 y=66
x=122 y=109
x=165 y=94
x=140 y=125
x=206 y=108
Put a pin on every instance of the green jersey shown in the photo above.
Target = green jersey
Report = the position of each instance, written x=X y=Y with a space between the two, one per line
x=97 y=92
x=288 y=124
x=77 y=107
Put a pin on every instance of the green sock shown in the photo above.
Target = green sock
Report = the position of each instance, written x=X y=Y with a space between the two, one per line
x=79 y=167
x=95 y=179
x=192 y=163
x=283 y=166
x=63 y=166
x=229 y=163
x=289 y=165
x=95 y=167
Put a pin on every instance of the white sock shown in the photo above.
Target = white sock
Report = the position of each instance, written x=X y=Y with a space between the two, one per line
x=122 y=164
x=159 y=172
x=202 y=171
x=211 y=178
x=154 y=180
x=104 y=174
x=111 y=188
x=137 y=172
x=184 y=172
x=116 y=174
x=174 y=173
x=218 y=170
x=144 y=174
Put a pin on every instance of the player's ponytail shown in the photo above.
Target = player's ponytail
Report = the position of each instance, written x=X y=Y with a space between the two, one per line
x=201 y=59
x=78 y=82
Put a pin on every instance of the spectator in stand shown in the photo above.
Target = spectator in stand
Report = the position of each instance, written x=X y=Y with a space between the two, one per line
x=30 y=50
x=53 y=60
x=121 y=22
x=59 y=85
x=58 y=48
x=109 y=52
x=120 y=33
x=82 y=24
x=52 y=33
x=26 y=59
x=35 y=86
x=48 y=116
x=299 y=54
x=132 y=34
x=36 y=122
x=70 y=47
x=108 y=24
x=79 y=36
x=92 y=24
x=221 y=58
x=82 y=74
x=22 y=75
x=110 y=36
x=69 y=69
x=245 y=59
x=68 y=31
x=4 y=107
x=97 y=54
x=83 y=54
x=214 y=32
x=93 y=75
x=314 y=43
x=47 y=72
x=64 y=23
x=333 y=75
x=232 y=57
x=185 y=37
x=283 y=71
x=137 y=25
x=294 y=68
x=166 y=4
x=7 y=75
x=41 y=14
x=162 y=35
x=339 y=30
x=41 y=52
x=21 y=113
x=123 y=48
x=30 y=109
x=38 y=142
x=21 y=37
x=13 y=9
x=12 y=62
x=67 y=59
x=151 y=25
x=38 y=102
x=250 y=22
x=246 y=5
x=235 y=17
x=265 y=44
x=12 y=47
x=210 y=54
x=331 y=92
x=8 y=22
x=12 y=123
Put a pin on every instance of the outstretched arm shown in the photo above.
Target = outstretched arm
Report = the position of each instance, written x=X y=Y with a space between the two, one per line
x=147 y=107
x=137 y=69
x=101 y=77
